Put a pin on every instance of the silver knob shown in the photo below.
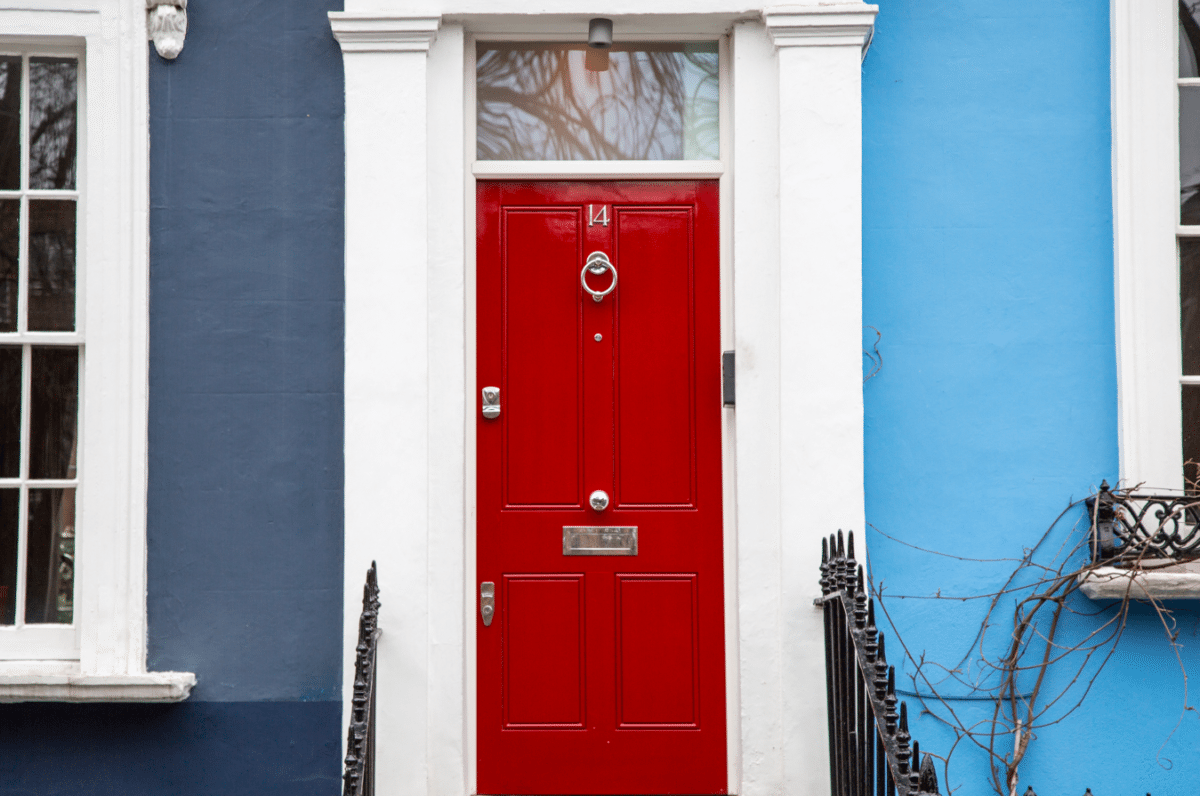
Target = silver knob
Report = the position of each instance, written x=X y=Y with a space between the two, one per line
x=599 y=500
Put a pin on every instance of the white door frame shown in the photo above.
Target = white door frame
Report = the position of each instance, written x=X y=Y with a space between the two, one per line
x=791 y=306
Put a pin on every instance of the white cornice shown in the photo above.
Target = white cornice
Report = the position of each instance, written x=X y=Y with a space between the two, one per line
x=375 y=33
x=834 y=25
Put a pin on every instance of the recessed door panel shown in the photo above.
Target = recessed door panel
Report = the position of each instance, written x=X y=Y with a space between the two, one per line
x=655 y=433
x=541 y=326
x=602 y=668
x=544 y=680
x=657 y=683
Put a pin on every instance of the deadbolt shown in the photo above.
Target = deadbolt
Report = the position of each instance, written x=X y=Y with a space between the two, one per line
x=599 y=500
x=491 y=402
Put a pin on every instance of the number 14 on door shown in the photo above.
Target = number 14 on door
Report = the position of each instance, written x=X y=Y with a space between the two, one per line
x=597 y=216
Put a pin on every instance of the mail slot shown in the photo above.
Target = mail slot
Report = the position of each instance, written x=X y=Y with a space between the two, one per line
x=594 y=541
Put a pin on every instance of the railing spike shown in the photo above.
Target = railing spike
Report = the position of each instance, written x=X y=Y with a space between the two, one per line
x=902 y=739
x=914 y=774
x=889 y=703
x=928 y=782
x=841 y=544
x=880 y=670
x=850 y=545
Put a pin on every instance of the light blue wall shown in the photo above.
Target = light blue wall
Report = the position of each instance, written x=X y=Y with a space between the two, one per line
x=988 y=269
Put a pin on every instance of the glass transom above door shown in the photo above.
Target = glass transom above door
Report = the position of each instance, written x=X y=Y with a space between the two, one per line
x=638 y=101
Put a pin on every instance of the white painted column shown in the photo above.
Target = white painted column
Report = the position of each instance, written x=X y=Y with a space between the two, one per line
x=387 y=397
x=756 y=314
x=820 y=52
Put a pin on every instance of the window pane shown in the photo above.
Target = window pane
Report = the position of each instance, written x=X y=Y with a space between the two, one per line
x=10 y=411
x=10 y=502
x=571 y=102
x=1189 y=304
x=54 y=408
x=51 y=266
x=10 y=123
x=1191 y=436
x=10 y=251
x=1189 y=38
x=52 y=89
x=50 y=557
x=1189 y=154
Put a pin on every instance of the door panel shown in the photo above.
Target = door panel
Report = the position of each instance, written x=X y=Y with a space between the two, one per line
x=656 y=651
x=600 y=674
x=655 y=432
x=541 y=325
x=544 y=651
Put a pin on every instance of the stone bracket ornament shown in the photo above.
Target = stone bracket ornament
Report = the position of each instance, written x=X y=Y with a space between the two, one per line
x=166 y=24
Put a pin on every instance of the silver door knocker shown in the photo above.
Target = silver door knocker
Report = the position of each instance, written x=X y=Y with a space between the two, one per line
x=597 y=263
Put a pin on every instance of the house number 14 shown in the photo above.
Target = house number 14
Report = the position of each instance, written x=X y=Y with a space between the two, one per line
x=595 y=217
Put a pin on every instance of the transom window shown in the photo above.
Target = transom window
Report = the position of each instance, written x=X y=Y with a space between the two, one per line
x=644 y=101
x=40 y=343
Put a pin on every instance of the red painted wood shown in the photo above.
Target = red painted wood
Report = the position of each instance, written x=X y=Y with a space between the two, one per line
x=606 y=674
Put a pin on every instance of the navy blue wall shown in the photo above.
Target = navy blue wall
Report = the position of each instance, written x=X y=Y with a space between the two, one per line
x=245 y=500
x=988 y=270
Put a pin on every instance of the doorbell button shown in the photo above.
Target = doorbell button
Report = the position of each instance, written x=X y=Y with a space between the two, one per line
x=599 y=500
x=599 y=337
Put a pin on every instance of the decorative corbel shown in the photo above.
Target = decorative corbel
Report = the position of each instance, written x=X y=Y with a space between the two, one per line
x=166 y=22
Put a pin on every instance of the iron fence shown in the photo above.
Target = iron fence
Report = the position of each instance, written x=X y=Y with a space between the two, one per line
x=870 y=748
x=359 y=774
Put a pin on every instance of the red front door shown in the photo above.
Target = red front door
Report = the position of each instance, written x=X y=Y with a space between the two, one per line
x=602 y=670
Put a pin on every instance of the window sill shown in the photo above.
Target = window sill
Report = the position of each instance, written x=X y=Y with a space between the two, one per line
x=47 y=687
x=1175 y=582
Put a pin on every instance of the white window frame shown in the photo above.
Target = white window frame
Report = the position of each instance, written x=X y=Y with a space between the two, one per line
x=104 y=658
x=1145 y=165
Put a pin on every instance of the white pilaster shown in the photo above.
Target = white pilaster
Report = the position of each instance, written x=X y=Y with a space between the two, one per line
x=387 y=389
x=756 y=314
x=820 y=50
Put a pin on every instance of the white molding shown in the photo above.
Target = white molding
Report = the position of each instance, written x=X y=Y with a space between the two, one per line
x=381 y=33
x=1146 y=214
x=834 y=25
x=1181 y=582
x=389 y=405
x=150 y=687
x=597 y=169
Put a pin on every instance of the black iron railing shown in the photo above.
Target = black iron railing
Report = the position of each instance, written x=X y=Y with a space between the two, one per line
x=1130 y=528
x=869 y=742
x=359 y=776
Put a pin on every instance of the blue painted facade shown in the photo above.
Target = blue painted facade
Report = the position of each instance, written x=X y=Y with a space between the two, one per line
x=988 y=270
x=245 y=463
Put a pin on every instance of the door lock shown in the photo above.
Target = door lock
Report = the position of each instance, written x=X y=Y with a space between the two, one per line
x=487 y=602
x=491 y=402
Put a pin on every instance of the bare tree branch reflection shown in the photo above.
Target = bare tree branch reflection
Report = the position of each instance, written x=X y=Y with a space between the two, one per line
x=540 y=102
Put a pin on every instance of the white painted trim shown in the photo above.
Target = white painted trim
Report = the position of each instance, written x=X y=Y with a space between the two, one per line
x=370 y=33
x=1146 y=213
x=597 y=169
x=410 y=428
x=147 y=687
x=820 y=452
x=1111 y=583
x=113 y=318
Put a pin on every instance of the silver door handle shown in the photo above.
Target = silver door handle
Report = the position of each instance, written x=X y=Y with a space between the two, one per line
x=487 y=602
